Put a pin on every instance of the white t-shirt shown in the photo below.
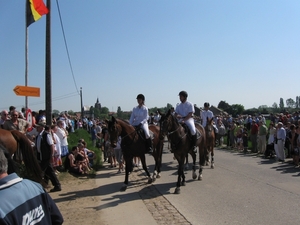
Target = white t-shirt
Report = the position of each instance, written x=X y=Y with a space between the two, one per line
x=204 y=115
x=184 y=108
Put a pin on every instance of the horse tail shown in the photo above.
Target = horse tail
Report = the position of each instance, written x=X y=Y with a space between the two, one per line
x=29 y=157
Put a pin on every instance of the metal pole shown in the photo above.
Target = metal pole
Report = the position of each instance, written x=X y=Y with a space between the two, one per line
x=48 y=92
x=26 y=54
x=81 y=103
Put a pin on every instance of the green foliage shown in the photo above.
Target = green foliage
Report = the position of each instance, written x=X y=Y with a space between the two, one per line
x=73 y=139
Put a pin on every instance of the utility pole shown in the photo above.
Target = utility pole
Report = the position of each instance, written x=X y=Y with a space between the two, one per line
x=48 y=86
x=81 y=103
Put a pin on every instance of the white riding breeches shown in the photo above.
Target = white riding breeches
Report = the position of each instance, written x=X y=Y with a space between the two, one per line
x=146 y=130
x=191 y=125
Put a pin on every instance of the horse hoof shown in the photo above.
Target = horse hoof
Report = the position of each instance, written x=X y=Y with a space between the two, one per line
x=183 y=183
x=158 y=176
x=150 y=180
x=212 y=166
x=206 y=164
x=200 y=177
x=194 y=176
x=123 y=188
x=177 y=190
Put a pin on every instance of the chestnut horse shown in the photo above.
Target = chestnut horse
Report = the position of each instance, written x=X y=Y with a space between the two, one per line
x=181 y=144
x=13 y=140
x=133 y=145
x=210 y=141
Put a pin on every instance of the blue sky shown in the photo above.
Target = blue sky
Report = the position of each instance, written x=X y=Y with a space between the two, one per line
x=241 y=52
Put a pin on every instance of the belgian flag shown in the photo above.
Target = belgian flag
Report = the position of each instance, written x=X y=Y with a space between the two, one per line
x=35 y=9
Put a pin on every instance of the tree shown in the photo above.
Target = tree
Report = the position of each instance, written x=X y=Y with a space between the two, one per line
x=55 y=112
x=275 y=106
x=281 y=104
x=71 y=112
x=224 y=105
x=237 y=109
x=263 y=109
x=290 y=103
x=104 y=110
x=119 y=112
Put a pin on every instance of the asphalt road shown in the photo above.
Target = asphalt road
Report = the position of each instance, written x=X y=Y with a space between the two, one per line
x=242 y=189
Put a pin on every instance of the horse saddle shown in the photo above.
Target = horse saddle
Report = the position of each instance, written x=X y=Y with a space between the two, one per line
x=141 y=133
x=187 y=130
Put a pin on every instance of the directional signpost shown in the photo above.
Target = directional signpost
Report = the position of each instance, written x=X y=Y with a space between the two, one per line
x=27 y=91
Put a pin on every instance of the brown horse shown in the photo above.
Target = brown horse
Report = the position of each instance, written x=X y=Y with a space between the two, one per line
x=14 y=140
x=210 y=141
x=181 y=145
x=133 y=145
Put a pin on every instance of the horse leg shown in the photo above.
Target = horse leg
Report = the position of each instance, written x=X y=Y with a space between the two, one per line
x=128 y=169
x=143 y=160
x=186 y=167
x=194 y=175
x=202 y=158
x=206 y=156
x=180 y=172
x=212 y=165
x=159 y=161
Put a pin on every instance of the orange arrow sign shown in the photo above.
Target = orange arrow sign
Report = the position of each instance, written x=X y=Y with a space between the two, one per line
x=27 y=91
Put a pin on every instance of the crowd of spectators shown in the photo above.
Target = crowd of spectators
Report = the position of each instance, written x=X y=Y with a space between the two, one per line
x=280 y=138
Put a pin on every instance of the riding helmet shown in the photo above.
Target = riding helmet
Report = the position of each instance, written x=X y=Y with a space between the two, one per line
x=206 y=104
x=141 y=96
x=183 y=93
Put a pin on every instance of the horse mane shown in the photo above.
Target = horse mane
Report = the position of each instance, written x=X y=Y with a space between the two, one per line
x=125 y=121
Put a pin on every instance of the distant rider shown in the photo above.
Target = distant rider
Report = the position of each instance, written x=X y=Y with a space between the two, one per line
x=139 y=118
x=184 y=112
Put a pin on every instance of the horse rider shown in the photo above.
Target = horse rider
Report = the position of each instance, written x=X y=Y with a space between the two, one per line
x=139 y=119
x=184 y=112
x=206 y=113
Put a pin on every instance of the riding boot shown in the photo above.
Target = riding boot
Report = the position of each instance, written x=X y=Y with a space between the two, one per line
x=194 y=141
x=149 y=146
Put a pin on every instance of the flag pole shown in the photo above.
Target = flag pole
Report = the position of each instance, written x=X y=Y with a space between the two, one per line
x=26 y=54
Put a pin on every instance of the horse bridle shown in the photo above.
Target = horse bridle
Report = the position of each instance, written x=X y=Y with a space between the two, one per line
x=172 y=132
x=127 y=135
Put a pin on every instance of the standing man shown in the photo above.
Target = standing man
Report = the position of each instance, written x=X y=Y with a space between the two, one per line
x=45 y=151
x=16 y=123
x=24 y=201
x=281 y=135
x=253 y=136
x=184 y=112
x=262 y=137
x=4 y=117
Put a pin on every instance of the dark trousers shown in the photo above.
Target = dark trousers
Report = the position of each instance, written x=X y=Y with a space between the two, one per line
x=49 y=173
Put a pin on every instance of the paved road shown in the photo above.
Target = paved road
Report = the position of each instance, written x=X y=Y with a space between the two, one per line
x=242 y=189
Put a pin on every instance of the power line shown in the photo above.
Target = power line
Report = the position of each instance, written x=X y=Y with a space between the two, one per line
x=62 y=28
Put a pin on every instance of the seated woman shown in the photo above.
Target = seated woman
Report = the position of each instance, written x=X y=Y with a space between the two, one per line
x=72 y=165
x=82 y=156
x=89 y=153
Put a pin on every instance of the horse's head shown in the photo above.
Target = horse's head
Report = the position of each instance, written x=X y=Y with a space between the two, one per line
x=114 y=131
x=209 y=125
x=166 y=122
